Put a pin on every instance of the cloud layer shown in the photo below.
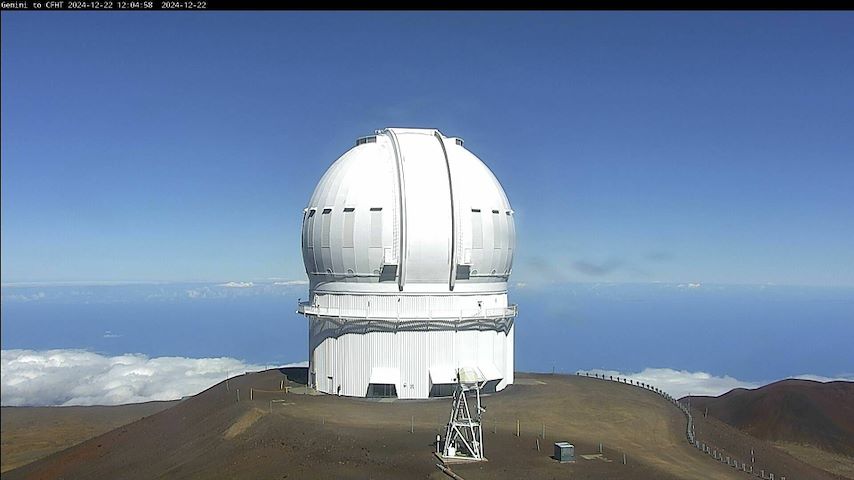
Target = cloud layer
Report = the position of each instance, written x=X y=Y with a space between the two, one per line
x=237 y=285
x=680 y=383
x=79 y=377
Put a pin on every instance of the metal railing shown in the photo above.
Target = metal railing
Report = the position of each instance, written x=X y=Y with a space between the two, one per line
x=305 y=308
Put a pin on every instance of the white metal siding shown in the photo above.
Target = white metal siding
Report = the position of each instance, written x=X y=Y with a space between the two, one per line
x=349 y=359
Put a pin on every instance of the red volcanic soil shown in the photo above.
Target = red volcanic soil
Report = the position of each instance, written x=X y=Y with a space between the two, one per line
x=797 y=411
x=30 y=433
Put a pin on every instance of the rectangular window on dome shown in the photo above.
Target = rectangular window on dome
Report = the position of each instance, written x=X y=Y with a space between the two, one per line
x=376 y=227
x=497 y=230
x=326 y=222
x=308 y=231
x=303 y=233
x=476 y=229
x=349 y=217
x=511 y=235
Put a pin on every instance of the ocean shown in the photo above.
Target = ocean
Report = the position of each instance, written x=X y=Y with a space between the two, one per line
x=754 y=333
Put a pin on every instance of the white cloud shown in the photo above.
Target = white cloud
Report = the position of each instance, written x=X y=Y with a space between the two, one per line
x=680 y=383
x=80 y=377
x=302 y=364
x=193 y=293
x=109 y=334
x=237 y=284
x=291 y=282
x=18 y=297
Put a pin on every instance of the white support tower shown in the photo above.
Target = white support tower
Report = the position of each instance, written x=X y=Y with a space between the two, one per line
x=464 y=435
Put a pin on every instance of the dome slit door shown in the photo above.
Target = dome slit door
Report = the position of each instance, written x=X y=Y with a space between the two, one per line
x=452 y=275
x=401 y=209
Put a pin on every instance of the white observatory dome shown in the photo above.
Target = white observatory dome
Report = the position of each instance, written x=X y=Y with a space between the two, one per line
x=408 y=210
x=408 y=243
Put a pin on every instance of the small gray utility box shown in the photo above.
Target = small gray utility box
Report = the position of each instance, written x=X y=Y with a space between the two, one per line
x=564 y=452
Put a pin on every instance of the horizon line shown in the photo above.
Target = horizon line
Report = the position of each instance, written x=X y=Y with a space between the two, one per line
x=290 y=281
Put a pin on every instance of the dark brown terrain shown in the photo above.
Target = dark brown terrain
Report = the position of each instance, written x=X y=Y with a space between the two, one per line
x=811 y=420
x=801 y=411
x=273 y=434
x=30 y=433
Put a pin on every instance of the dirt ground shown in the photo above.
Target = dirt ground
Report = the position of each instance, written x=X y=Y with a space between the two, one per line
x=31 y=433
x=278 y=435
x=836 y=463
x=766 y=456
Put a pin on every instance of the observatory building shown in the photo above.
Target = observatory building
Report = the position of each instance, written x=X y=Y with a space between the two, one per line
x=408 y=244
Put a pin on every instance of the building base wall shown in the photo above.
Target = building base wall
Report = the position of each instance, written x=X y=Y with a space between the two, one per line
x=416 y=362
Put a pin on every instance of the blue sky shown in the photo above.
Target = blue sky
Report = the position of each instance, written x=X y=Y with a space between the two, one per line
x=635 y=147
